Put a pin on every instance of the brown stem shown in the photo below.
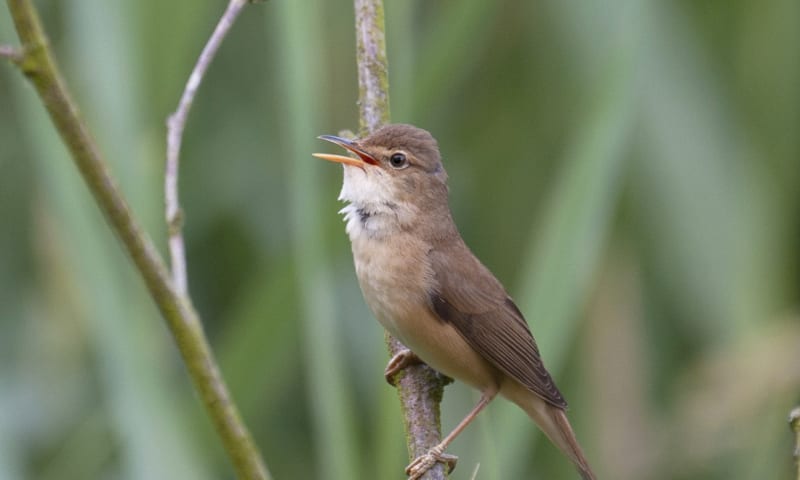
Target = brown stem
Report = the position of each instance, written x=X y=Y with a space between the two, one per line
x=38 y=65
x=420 y=388
x=373 y=68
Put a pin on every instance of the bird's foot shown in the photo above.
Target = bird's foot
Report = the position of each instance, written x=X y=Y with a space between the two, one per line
x=423 y=463
x=403 y=359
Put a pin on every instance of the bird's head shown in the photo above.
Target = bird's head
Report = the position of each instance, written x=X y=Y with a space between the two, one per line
x=397 y=168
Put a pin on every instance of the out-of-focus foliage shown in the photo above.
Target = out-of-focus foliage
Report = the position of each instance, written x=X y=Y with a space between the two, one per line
x=629 y=169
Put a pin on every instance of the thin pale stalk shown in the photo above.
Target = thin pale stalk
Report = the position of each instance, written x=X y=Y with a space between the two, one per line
x=38 y=65
x=420 y=388
x=176 y=123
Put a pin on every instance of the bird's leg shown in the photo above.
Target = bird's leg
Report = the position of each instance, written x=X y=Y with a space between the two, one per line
x=423 y=463
x=404 y=358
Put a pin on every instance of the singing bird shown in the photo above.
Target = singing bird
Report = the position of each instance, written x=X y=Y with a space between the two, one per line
x=428 y=289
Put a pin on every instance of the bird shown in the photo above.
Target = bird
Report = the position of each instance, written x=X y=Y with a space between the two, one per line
x=428 y=290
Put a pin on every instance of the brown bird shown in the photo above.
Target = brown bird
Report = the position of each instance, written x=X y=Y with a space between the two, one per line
x=428 y=290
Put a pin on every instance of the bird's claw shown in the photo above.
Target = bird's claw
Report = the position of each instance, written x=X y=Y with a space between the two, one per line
x=401 y=360
x=423 y=463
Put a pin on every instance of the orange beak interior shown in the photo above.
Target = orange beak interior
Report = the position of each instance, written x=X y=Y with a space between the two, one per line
x=363 y=157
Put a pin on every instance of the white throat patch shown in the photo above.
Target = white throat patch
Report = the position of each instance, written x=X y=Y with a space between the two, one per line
x=371 y=208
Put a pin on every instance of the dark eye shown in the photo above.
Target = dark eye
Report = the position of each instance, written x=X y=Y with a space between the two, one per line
x=398 y=160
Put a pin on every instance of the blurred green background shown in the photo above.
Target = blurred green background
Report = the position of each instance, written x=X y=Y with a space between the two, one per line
x=629 y=169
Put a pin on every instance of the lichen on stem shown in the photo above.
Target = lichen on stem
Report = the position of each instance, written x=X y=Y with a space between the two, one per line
x=373 y=67
x=419 y=387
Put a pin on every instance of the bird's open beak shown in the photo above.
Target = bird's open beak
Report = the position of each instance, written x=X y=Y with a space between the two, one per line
x=363 y=157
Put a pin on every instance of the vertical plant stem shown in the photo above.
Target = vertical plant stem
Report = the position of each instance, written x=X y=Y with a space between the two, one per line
x=38 y=65
x=420 y=389
x=373 y=67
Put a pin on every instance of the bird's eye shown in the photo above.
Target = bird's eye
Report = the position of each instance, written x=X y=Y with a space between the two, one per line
x=398 y=160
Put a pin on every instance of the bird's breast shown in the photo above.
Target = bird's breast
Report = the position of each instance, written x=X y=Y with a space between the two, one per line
x=395 y=277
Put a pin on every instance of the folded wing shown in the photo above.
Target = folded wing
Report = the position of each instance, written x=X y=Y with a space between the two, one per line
x=478 y=307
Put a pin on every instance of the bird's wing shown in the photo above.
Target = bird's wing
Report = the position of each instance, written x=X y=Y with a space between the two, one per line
x=478 y=307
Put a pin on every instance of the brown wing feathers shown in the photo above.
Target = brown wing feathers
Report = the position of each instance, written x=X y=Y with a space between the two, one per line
x=509 y=346
x=470 y=298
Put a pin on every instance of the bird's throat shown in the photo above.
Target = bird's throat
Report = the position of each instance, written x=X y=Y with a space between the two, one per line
x=372 y=209
x=375 y=221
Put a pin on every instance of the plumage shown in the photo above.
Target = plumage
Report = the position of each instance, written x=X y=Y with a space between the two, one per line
x=488 y=319
x=426 y=287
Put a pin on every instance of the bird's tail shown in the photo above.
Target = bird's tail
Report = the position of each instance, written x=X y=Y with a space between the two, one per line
x=554 y=423
x=568 y=443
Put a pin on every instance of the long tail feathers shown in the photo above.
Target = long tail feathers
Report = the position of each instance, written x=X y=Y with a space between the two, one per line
x=569 y=444
x=553 y=422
